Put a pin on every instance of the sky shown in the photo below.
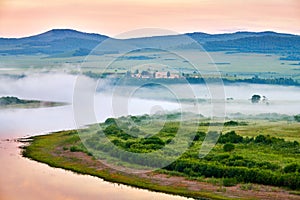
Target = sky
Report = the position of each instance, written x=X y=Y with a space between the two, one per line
x=20 y=18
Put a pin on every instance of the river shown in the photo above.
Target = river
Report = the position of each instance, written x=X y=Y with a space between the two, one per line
x=22 y=178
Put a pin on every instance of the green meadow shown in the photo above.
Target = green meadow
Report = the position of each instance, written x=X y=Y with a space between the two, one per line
x=247 y=155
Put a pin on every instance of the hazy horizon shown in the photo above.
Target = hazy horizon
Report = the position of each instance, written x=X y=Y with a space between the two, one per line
x=163 y=33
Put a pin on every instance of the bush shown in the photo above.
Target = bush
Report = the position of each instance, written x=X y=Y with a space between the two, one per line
x=291 y=168
x=75 y=149
x=152 y=140
x=233 y=175
x=228 y=147
x=135 y=119
x=228 y=182
x=112 y=130
x=109 y=121
x=199 y=136
x=269 y=140
x=255 y=98
x=170 y=127
x=248 y=186
x=231 y=123
x=90 y=154
x=297 y=118
x=230 y=137
x=260 y=139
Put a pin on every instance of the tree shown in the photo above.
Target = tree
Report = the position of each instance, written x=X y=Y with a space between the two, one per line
x=260 y=139
x=128 y=74
x=297 y=118
x=230 y=137
x=144 y=73
x=110 y=121
x=255 y=98
x=168 y=74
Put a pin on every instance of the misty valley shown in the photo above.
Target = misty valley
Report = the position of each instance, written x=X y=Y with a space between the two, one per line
x=202 y=116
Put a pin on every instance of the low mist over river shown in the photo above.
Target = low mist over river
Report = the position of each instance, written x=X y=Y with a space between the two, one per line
x=144 y=100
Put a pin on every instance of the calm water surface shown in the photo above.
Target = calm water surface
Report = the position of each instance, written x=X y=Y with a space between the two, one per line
x=29 y=180
x=22 y=178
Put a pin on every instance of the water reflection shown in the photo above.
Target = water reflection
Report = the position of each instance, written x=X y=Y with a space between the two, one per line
x=24 y=122
x=25 y=179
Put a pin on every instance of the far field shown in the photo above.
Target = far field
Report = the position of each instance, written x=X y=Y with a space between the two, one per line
x=231 y=65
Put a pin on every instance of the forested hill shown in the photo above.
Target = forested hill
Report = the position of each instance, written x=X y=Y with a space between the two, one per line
x=56 y=41
x=67 y=42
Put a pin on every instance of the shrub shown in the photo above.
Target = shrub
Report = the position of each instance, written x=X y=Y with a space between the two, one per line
x=170 y=127
x=118 y=143
x=135 y=119
x=228 y=182
x=221 y=157
x=230 y=137
x=291 y=168
x=255 y=98
x=228 y=147
x=297 y=118
x=75 y=149
x=233 y=175
x=248 y=186
x=109 y=121
x=260 y=139
x=89 y=154
x=199 y=136
x=231 y=123
x=152 y=140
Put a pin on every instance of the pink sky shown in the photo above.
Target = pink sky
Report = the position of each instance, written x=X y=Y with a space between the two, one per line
x=112 y=17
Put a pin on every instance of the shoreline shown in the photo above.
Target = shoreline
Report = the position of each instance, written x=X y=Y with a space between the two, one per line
x=37 y=173
x=107 y=174
x=48 y=149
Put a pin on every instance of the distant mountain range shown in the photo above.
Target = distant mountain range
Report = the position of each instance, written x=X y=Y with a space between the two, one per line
x=67 y=42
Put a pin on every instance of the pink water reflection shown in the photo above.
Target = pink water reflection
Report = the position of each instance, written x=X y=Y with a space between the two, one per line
x=24 y=179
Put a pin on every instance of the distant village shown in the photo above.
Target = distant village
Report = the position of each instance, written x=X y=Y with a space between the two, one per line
x=193 y=77
x=147 y=74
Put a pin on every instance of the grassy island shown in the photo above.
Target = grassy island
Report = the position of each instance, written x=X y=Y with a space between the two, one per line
x=249 y=161
x=14 y=102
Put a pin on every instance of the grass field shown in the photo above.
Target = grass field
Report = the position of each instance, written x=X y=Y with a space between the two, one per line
x=239 y=65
